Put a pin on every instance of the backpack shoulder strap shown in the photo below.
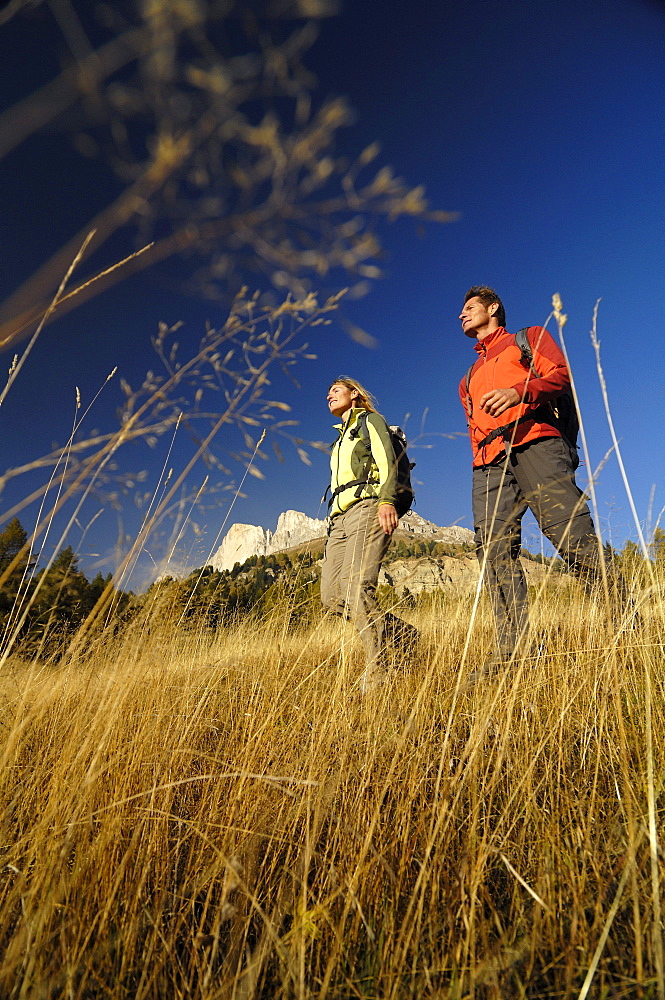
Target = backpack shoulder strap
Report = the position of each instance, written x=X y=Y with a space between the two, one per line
x=360 y=430
x=522 y=341
x=362 y=424
x=467 y=383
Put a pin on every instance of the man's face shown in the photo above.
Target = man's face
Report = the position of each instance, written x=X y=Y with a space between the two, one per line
x=340 y=399
x=477 y=318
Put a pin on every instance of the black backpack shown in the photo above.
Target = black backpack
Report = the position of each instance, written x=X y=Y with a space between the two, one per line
x=405 y=495
x=560 y=412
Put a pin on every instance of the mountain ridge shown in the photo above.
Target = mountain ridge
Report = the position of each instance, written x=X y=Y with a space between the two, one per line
x=242 y=541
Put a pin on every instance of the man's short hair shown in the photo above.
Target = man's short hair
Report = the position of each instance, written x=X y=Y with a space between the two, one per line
x=488 y=297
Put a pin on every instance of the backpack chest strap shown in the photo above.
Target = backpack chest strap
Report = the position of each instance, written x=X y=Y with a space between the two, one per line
x=359 y=483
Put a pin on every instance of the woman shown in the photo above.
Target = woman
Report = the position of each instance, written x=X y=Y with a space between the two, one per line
x=362 y=519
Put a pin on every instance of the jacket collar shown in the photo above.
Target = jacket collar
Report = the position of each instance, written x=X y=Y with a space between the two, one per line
x=354 y=412
x=482 y=346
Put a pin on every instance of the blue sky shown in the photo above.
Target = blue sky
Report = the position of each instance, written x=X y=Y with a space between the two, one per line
x=541 y=124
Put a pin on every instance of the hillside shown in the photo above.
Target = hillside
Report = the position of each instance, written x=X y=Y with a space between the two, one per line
x=418 y=563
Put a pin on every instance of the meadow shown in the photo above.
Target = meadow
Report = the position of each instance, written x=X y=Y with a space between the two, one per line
x=219 y=814
x=190 y=812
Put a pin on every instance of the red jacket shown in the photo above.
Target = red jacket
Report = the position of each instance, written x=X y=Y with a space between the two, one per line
x=500 y=366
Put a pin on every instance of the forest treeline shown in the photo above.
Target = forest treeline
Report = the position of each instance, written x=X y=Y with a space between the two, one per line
x=41 y=609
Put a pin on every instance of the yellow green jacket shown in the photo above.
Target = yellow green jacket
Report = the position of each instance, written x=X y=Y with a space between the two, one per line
x=348 y=461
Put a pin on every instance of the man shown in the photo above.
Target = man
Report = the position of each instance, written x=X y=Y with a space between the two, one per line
x=362 y=519
x=520 y=460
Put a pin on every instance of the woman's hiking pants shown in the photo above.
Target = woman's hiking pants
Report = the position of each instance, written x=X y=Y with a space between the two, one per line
x=355 y=548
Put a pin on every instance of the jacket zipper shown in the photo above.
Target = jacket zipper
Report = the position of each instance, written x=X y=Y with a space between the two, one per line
x=339 y=447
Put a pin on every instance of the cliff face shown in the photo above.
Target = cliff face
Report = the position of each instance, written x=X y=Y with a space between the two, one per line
x=244 y=540
x=416 y=526
x=427 y=574
x=293 y=528
x=453 y=573
x=239 y=543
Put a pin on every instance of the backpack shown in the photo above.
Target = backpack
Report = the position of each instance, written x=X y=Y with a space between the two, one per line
x=560 y=412
x=405 y=495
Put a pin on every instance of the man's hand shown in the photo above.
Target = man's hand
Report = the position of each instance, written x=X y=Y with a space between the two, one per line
x=388 y=518
x=498 y=401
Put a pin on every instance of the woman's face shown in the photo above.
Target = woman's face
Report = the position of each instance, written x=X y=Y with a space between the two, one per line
x=340 y=398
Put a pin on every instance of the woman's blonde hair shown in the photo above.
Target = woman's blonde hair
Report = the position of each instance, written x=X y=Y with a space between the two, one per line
x=365 y=398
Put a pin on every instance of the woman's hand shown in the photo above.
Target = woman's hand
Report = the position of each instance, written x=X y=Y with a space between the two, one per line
x=388 y=518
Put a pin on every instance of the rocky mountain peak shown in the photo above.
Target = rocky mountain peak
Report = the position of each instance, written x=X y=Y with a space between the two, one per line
x=244 y=540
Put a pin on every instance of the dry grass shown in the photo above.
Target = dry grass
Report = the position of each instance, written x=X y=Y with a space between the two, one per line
x=197 y=816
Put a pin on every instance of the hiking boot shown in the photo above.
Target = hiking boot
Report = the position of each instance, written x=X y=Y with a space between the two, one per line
x=401 y=635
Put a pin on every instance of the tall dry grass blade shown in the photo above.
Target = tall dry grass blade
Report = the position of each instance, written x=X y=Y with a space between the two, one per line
x=236 y=494
x=654 y=847
x=610 y=423
x=16 y=368
x=586 y=986
x=513 y=871
x=561 y=320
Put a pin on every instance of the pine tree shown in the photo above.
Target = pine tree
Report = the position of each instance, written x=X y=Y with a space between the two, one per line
x=61 y=605
x=12 y=540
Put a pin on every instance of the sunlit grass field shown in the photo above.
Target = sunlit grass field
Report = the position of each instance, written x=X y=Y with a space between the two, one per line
x=189 y=814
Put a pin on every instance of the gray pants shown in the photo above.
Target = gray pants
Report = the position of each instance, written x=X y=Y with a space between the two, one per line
x=355 y=549
x=538 y=475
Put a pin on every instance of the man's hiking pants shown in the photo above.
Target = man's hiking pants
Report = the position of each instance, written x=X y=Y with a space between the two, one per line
x=355 y=549
x=538 y=475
